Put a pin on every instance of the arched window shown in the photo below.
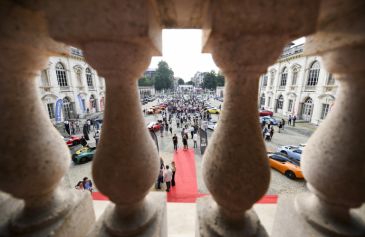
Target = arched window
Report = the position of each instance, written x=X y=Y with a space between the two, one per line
x=78 y=72
x=330 y=80
x=284 y=76
x=264 y=82
x=89 y=78
x=61 y=75
x=307 y=109
x=294 y=76
x=313 y=74
x=67 y=108
x=280 y=102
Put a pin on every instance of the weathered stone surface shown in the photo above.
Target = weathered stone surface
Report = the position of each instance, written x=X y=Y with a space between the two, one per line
x=211 y=222
x=134 y=224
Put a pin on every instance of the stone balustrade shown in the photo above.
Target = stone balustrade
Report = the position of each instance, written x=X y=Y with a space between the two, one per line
x=118 y=41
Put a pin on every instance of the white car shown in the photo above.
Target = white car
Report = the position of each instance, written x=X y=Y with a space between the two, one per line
x=212 y=125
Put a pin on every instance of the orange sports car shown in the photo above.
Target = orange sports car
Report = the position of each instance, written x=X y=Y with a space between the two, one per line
x=285 y=165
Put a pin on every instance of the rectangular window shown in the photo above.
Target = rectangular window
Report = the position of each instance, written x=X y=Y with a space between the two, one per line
x=50 y=108
x=269 y=102
x=331 y=80
x=290 y=105
x=265 y=81
x=325 y=109
x=294 y=79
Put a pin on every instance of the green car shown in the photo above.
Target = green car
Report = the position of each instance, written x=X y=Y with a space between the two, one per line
x=84 y=156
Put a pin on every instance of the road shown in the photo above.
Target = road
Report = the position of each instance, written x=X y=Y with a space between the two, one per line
x=279 y=183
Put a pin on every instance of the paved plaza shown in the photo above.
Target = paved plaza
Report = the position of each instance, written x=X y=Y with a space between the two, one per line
x=279 y=183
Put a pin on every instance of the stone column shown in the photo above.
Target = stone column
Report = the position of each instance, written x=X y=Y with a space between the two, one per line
x=126 y=164
x=34 y=157
x=235 y=168
x=332 y=161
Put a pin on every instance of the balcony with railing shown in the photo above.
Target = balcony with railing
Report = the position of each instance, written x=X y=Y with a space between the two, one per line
x=292 y=51
x=65 y=88
x=281 y=88
x=34 y=161
x=292 y=88
x=329 y=88
x=310 y=88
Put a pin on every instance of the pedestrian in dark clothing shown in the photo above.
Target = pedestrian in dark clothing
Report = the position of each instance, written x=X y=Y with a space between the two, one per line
x=280 y=126
x=283 y=123
x=171 y=130
x=185 y=142
x=269 y=125
x=174 y=140
x=160 y=178
x=67 y=127
x=289 y=119
x=83 y=141
x=294 y=119
x=173 y=169
x=271 y=132
x=85 y=132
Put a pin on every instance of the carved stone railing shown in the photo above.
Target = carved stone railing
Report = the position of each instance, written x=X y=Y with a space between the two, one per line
x=34 y=157
x=119 y=40
x=333 y=162
x=235 y=166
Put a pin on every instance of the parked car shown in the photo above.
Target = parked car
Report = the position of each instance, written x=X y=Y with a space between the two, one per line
x=155 y=126
x=72 y=140
x=285 y=165
x=291 y=151
x=85 y=156
x=212 y=125
x=268 y=119
x=213 y=110
x=266 y=113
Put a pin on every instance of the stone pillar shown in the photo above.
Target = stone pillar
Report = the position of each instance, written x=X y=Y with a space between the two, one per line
x=34 y=157
x=332 y=161
x=235 y=168
x=119 y=41
x=126 y=164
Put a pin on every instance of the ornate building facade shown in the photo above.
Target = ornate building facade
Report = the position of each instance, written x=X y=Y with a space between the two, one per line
x=298 y=85
x=70 y=88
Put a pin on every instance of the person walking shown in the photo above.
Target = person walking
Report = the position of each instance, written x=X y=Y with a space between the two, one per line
x=185 y=142
x=289 y=119
x=85 y=131
x=174 y=140
x=195 y=139
x=160 y=177
x=97 y=137
x=283 y=123
x=173 y=169
x=167 y=178
x=161 y=129
x=170 y=129
x=294 y=119
x=271 y=132
x=280 y=125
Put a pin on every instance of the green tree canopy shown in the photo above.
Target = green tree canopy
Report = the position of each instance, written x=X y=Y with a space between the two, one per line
x=180 y=81
x=163 y=76
x=144 y=81
x=190 y=83
x=211 y=80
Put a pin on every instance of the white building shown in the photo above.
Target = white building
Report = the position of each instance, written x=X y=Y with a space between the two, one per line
x=69 y=88
x=146 y=91
x=219 y=91
x=298 y=85
x=198 y=78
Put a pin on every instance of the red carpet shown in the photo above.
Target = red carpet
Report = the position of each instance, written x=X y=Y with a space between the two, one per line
x=186 y=189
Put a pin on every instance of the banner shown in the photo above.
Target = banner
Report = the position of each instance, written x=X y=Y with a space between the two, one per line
x=58 y=110
x=203 y=140
x=82 y=105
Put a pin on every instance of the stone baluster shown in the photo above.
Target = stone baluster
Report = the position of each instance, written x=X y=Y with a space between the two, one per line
x=34 y=157
x=119 y=41
x=332 y=161
x=126 y=163
x=235 y=167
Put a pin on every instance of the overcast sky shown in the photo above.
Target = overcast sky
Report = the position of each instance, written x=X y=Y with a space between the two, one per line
x=181 y=49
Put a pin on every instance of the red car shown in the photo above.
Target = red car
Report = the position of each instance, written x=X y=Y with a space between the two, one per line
x=72 y=140
x=155 y=126
x=266 y=113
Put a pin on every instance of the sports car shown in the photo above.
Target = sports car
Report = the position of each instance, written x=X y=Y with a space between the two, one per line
x=285 y=165
x=213 y=110
x=72 y=140
x=291 y=151
x=155 y=126
x=265 y=113
x=84 y=156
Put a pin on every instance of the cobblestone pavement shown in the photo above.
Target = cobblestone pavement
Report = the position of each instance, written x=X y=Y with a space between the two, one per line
x=279 y=183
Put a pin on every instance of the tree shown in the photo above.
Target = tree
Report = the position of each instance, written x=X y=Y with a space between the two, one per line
x=190 y=83
x=220 y=79
x=180 y=81
x=163 y=76
x=144 y=81
x=209 y=80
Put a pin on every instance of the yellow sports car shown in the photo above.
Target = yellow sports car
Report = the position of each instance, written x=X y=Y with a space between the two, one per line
x=82 y=149
x=214 y=111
